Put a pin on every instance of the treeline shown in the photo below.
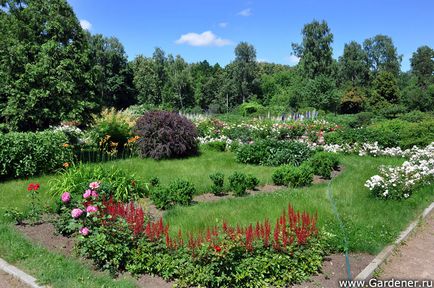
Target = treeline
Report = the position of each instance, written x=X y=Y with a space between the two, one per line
x=52 y=70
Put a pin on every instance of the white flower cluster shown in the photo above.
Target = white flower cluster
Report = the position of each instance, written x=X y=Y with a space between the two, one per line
x=66 y=129
x=399 y=182
x=209 y=139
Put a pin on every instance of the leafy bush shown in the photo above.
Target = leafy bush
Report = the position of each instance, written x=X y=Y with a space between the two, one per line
x=238 y=183
x=166 y=135
x=273 y=153
x=218 y=146
x=217 y=179
x=112 y=129
x=179 y=191
x=362 y=119
x=252 y=181
x=154 y=181
x=293 y=176
x=28 y=154
x=109 y=247
x=323 y=163
x=122 y=186
x=249 y=108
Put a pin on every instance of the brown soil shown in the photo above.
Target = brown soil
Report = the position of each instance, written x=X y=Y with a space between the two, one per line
x=335 y=269
x=45 y=235
x=8 y=281
x=148 y=281
x=415 y=258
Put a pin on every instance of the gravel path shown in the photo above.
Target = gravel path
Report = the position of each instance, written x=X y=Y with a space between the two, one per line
x=7 y=281
x=415 y=258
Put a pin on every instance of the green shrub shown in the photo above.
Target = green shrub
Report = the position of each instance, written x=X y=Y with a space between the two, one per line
x=300 y=176
x=179 y=191
x=252 y=181
x=154 y=181
x=218 y=146
x=238 y=183
x=249 y=108
x=33 y=153
x=362 y=119
x=290 y=175
x=115 y=182
x=280 y=173
x=217 y=179
x=323 y=163
x=110 y=246
x=273 y=153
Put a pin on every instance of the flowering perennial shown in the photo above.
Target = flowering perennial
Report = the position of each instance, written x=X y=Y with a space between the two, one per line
x=399 y=182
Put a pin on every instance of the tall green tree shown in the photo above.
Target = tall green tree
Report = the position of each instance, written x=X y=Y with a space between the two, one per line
x=385 y=87
x=44 y=64
x=382 y=54
x=113 y=76
x=179 y=84
x=245 y=71
x=144 y=80
x=422 y=65
x=353 y=65
x=315 y=51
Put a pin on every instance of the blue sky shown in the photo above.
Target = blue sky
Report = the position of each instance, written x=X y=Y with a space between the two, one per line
x=210 y=29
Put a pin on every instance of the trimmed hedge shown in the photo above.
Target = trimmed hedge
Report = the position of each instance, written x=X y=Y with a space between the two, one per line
x=25 y=154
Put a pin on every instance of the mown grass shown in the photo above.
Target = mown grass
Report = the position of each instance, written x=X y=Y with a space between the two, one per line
x=369 y=223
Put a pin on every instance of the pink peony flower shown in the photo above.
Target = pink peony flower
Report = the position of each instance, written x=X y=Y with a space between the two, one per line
x=91 y=208
x=84 y=231
x=94 y=194
x=66 y=197
x=94 y=185
x=76 y=213
x=87 y=193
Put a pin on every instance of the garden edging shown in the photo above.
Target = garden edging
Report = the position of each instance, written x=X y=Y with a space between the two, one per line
x=19 y=274
x=367 y=273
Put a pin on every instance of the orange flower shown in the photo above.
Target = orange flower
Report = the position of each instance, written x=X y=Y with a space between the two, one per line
x=66 y=145
x=66 y=164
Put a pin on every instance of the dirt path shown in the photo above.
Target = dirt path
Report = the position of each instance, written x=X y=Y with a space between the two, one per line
x=415 y=258
x=8 y=281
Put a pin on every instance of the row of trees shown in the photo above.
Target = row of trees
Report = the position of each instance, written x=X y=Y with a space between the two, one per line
x=53 y=70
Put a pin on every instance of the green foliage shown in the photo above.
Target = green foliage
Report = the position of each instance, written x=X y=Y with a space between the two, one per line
x=382 y=55
x=252 y=181
x=109 y=246
x=154 y=181
x=28 y=154
x=45 y=72
x=386 y=88
x=315 y=51
x=217 y=179
x=290 y=175
x=249 y=108
x=323 y=163
x=179 y=191
x=361 y=119
x=352 y=101
x=299 y=176
x=422 y=65
x=218 y=146
x=273 y=153
x=354 y=65
x=238 y=183
x=321 y=93
x=120 y=184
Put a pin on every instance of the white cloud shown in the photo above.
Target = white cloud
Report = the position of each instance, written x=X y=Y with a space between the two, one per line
x=261 y=60
x=223 y=24
x=86 y=25
x=292 y=59
x=207 y=38
x=246 y=12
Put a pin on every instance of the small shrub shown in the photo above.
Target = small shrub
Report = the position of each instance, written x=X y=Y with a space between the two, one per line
x=323 y=163
x=293 y=176
x=218 y=146
x=179 y=191
x=217 y=179
x=301 y=176
x=252 y=181
x=280 y=173
x=249 y=108
x=166 y=135
x=238 y=183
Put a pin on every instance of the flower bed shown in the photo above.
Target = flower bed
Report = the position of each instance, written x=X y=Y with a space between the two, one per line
x=118 y=237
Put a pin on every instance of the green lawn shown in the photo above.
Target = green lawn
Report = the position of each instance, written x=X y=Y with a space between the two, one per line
x=370 y=223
